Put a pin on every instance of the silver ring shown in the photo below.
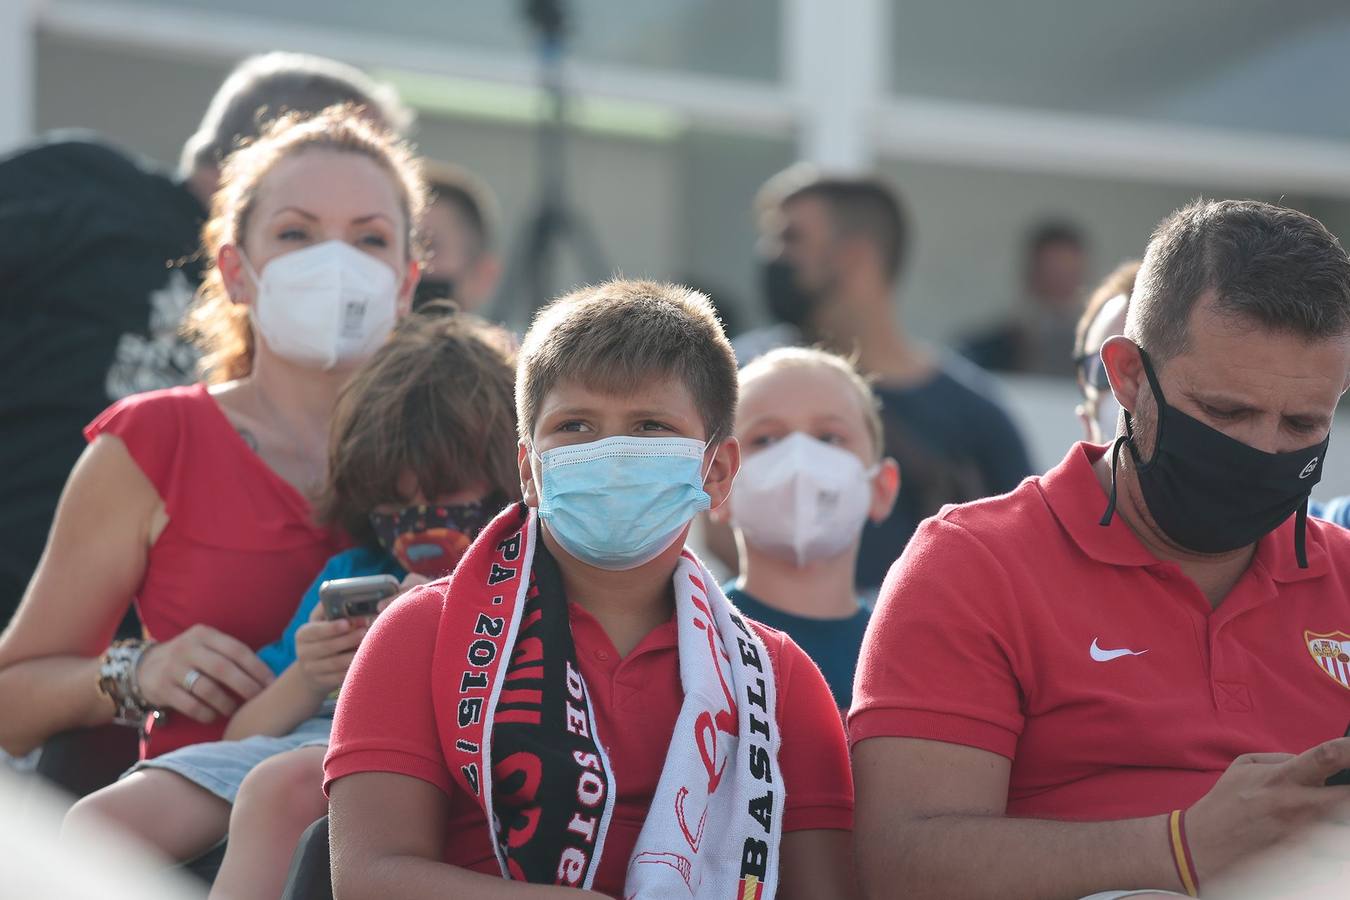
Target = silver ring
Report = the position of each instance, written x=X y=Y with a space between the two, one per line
x=190 y=679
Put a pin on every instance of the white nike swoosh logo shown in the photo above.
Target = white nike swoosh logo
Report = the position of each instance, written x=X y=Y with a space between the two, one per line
x=1100 y=655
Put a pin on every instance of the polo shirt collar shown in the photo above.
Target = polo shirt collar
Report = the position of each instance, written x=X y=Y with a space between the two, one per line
x=1077 y=500
x=589 y=634
x=1275 y=552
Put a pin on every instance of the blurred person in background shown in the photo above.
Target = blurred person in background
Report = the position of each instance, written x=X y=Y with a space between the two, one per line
x=1132 y=672
x=195 y=502
x=727 y=305
x=459 y=231
x=835 y=251
x=1037 y=338
x=97 y=267
x=1103 y=317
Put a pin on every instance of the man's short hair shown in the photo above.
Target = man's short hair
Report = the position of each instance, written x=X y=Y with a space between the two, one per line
x=824 y=360
x=471 y=198
x=1272 y=267
x=1053 y=232
x=264 y=87
x=1120 y=281
x=618 y=337
x=859 y=206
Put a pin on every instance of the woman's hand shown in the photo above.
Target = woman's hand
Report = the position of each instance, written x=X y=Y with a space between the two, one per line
x=226 y=673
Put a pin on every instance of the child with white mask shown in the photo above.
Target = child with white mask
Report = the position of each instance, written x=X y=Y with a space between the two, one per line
x=812 y=478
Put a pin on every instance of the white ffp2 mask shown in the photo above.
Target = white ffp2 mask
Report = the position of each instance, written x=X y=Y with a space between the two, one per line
x=325 y=305
x=801 y=499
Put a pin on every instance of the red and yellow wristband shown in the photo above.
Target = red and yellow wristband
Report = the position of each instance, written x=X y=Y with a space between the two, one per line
x=1181 y=852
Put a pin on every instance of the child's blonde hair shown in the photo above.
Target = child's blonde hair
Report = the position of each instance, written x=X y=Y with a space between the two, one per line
x=816 y=358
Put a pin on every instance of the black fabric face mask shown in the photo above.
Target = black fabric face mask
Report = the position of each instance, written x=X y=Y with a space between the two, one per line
x=431 y=289
x=786 y=300
x=1210 y=493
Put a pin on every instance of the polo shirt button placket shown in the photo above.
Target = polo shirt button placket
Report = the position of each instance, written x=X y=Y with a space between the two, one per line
x=1198 y=614
x=1229 y=696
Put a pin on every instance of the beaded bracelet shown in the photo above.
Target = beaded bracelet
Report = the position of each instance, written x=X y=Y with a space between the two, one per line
x=1181 y=852
x=117 y=680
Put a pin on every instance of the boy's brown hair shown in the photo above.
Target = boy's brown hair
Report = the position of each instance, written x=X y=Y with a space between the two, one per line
x=618 y=336
x=816 y=358
x=436 y=400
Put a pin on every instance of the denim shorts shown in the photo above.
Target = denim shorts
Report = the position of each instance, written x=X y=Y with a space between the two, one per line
x=220 y=766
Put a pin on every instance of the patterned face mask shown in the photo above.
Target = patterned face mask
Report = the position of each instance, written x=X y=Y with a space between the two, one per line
x=431 y=539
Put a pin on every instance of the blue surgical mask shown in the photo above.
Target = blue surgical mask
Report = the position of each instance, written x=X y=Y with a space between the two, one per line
x=621 y=502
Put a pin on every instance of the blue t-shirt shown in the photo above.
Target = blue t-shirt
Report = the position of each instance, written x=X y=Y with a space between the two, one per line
x=348 y=564
x=954 y=442
x=1336 y=510
x=833 y=644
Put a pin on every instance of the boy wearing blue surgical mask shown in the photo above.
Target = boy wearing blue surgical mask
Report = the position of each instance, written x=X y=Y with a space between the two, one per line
x=579 y=706
x=811 y=477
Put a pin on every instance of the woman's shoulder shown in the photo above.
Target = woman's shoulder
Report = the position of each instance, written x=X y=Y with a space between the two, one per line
x=153 y=409
x=153 y=427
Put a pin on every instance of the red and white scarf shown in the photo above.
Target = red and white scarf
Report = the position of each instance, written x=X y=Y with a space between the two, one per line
x=523 y=742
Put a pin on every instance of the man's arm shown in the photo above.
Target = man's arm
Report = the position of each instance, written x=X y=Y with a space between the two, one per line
x=930 y=823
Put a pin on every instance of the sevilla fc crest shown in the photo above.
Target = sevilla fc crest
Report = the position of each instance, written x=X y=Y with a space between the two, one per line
x=1331 y=652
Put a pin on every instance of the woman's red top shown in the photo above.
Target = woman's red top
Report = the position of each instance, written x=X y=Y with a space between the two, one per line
x=241 y=546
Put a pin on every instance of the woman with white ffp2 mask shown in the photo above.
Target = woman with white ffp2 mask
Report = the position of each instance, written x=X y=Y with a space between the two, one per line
x=811 y=478
x=196 y=501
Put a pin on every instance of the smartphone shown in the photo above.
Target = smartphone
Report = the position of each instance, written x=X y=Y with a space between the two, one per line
x=347 y=598
x=1343 y=776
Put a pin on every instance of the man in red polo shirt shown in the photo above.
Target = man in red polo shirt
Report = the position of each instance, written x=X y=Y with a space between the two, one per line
x=1132 y=672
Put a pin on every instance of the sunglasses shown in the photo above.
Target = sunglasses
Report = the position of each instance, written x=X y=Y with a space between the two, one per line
x=1091 y=370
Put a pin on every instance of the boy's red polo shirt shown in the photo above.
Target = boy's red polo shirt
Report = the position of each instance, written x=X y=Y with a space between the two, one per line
x=1005 y=627
x=386 y=722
